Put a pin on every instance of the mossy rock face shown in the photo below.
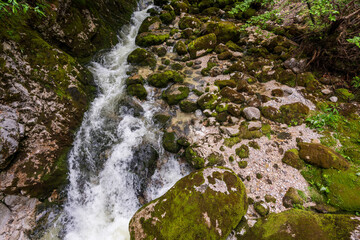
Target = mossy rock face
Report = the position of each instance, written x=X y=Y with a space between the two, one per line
x=137 y=90
x=149 y=24
x=193 y=157
x=344 y=94
x=189 y=22
x=225 y=31
x=161 y=80
x=322 y=156
x=167 y=17
x=308 y=81
x=188 y=106
x=148 y=39
x=292 y=198
x=299 y=225
x=291 y=158
x=180 y=48
x=293 y=113
x=232 y=95
x=341 y=189
x=242 y=151
x=174 y=94
x=202 y=45
x=141 y=57
x=207 y=204
x=169 y=142
x=286 y=77
x=208 y=101
x=233 y=46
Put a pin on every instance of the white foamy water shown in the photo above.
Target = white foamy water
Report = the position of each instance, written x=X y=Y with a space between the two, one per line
x=102 y=192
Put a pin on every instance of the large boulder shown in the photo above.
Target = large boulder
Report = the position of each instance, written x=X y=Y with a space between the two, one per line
x=201 y=45
x=189 y=22
x=207 y=204
x=299 y=225
x=225 y=31
x=141 y=57
x=322 y=156
x=148 y=39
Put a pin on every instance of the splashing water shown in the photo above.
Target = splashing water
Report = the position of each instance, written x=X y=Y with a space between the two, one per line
x=101 y=195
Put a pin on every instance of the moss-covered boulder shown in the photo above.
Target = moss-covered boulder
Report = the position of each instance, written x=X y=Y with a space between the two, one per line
x=299 y=225
x=149 y=24
x=308 y=81
x=161 y=80
x=286 y=77
x=225 y=83
x=292 y=198
x=322 y=156
x=188 y=106
x=239 y=66
x=180 y=48
x=207 y=204
x=148 y=39
x=232 y=95
x=233 y=46
x=291 y=158
x=137 y=90
x=225 y=31
x=174 y=94
x=293 y=113
x=167 y=17
x=202 y=45
x=170 y=142
x=208 y=101
x=270 y=113
x=189 y=22
x=142 y=57
x=261 y=208
x=180 y=7
x=134 y=79
x=194 y=157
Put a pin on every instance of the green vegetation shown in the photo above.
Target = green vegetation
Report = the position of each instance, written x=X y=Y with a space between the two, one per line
x=22 y=6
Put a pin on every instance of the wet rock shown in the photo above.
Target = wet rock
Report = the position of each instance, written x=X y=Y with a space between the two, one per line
x=143 y=164
x=189 y=22
x=148 y=39
x=170 y=143
x=201 y=45
x=292 y=198
x=188 y=106
x=300 y=224
x=180 y=48
x=252 y=113
x=291 y=158
x=322 y=156
x=162 y=79
x=150 y=24
x=174 y=94
x=193 y=198
x=11 y=132
x=141 y=57
x=137 y=90
x=232 y=95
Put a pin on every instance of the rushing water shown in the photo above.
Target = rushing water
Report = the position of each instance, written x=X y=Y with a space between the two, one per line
x=102 y=193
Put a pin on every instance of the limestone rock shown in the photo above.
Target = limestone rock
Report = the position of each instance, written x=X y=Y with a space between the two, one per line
x=252 y=113
x=207 y=204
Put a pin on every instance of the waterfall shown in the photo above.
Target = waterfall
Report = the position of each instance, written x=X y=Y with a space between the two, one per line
x=102 y=194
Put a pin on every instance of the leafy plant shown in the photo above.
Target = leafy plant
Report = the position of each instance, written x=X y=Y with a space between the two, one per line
x=21 y=6
x=329 y=118
x=356 y=81
x=355 y=40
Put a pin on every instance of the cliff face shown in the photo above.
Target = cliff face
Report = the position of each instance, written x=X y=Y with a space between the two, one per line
x=45 y=89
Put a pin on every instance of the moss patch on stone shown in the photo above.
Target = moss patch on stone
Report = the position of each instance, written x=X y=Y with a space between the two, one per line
x=291 y=158
x=162 y=79
x=142 y=57
x=203 y=43
x=147 y=39
x=169 y=142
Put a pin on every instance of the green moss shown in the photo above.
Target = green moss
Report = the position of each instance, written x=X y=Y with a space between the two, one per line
x=176 y=66
x=222 y=107
x=167 y=17
x=293 y=114
x=206 y=43
x=149 y=21
x=299 y=224
x=180 y=48
x=233 y=46
x=215 y=159
x=169 y=142
x=242 y=164
x=137 y=90
x=322 y=156
x=266 y=129
x=205 y=71
x=182 y=209
x=269 y=198
x=225 y=83
x=254 y=145
x=286 y=77
x=242 y=151
x=309 y=81
x=230 y=142
x=188 y=106
x=261 y=209
x=291 y=158
x=344 y=94
x=193 y=158
x=149 y=39
x=208 y=101
x=161 y=80
x=225 y=31
x=189 y=22
x=232 y=95
x=173 y=97
x=141 y=57
x=292 y=198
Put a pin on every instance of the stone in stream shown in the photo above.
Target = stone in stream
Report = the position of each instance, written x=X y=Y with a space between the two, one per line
x=207 y=204
x=141 y=57
x=252 y=113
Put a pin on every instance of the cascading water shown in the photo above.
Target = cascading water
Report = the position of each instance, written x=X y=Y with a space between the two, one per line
x=102 y=195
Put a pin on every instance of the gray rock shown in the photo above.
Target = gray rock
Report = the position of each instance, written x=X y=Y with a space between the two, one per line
x=326 y=91
x=5 y=214
x=334 y=99
x=10 y=134
x=297 y=66
x=252 y=113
